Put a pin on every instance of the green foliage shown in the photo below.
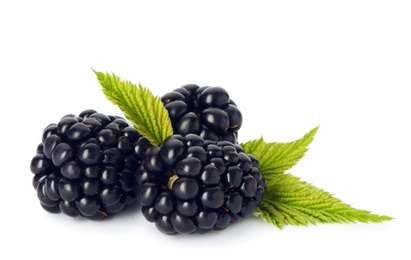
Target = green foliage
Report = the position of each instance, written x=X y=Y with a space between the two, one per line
x=276 y=158
x=290 y=201
x=144 y=110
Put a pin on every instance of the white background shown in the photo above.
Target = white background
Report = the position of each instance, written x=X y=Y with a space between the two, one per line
x=289 y=66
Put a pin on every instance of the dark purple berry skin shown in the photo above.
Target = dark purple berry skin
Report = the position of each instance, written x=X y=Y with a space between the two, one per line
x=201 y=185
x=205 y=111
x=86 y=164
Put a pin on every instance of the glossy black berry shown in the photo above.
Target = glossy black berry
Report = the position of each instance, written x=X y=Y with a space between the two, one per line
x=191 y=185
x=205 y=111
x=86 y=164
x=185 y=188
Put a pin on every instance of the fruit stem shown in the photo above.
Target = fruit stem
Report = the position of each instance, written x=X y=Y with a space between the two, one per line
x=171 y=181
x=103 y=213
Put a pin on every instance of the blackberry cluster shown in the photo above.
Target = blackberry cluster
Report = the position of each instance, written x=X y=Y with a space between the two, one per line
x=198 y=180
x=85 y=165
x=206 y=111
x=191 y=185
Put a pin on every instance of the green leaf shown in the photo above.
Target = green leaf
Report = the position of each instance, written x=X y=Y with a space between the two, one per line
x=144 y=110
x=276 y=158
x=290 y=201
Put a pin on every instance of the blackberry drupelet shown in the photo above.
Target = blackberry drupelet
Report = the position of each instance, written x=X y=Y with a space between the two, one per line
x=192 y=185
x=205 y=111
x=85 y=165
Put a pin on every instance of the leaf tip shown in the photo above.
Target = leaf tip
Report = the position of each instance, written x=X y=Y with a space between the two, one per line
x=313 y=131
x=386 y=218
x=97 y=73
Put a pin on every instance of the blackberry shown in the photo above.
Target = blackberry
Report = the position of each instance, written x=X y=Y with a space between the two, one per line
x=191 y=185
x=85 y=165
x=205 y=111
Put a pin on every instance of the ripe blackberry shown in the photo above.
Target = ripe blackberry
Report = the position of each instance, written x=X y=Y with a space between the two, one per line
x=190 y=185
x=205 y=111
x=85 y=165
